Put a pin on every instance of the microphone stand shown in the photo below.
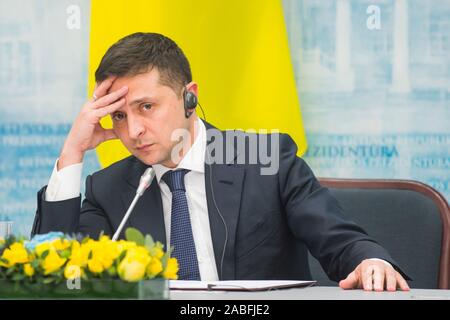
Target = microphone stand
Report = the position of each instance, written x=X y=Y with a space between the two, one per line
x=144 y=183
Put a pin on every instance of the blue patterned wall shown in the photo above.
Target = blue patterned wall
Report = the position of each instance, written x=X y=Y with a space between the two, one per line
x=374 y=85
x=43 y=84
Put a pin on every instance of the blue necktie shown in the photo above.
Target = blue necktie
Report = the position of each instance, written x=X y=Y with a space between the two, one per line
x=181 y=238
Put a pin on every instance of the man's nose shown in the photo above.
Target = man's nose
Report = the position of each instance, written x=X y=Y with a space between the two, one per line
x=135 y=127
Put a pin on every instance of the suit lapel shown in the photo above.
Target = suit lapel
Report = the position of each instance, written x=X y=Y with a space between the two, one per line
x=148 y=215
x=225 y=196
x=223 y=184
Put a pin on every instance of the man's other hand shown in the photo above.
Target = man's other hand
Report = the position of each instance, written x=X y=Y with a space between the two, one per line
x=374 y=275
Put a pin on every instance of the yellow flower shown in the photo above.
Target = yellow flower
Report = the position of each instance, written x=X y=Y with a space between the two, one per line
x=52 y=262
x=123 y=245
x=103 y=253
x=28 y=269
x=154 y=268
x=157 y=252
x=41 y=248
x=76 y=256
x=104 y=239
x=87 y=246
x=72 y=271
x=107 y=253
x=95 y=266
x=60 y=244
x=131 y=270
x=171 y=269
x=57 y=244
x=79 y=254
x=113 y=250
x=134 y=265
x=138 y=253
x=16 y=253
x=73 y=258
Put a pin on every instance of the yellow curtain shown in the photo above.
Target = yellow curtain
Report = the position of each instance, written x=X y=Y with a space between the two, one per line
x=238 y=52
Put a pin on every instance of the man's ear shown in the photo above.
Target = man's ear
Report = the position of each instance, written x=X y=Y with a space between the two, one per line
x=192 y=87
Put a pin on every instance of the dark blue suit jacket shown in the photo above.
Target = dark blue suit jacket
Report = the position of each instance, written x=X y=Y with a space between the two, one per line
x=271 y=220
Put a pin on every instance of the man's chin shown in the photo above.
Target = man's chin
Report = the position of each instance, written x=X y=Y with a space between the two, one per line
x=152 y=159
x=148 y=159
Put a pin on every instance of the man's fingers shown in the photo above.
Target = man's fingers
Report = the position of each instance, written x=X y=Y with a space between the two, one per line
x=374 y=275
x=391 y=281
x=367 y=278
x=401 y=282
x=378 y=278
x=100 y=113
x=350 y=282
x=102 y=88
x=110 y=98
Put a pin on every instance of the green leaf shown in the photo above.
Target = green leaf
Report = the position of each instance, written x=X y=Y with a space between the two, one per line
x=149 y=243
x=48 y=280
x=10 y=271
x=18 y=277
x=133 y=234
x=35 y=263
x=122 y=255
x=65 y=253
x=164 y=259
x=45 y=254
x=112 y=271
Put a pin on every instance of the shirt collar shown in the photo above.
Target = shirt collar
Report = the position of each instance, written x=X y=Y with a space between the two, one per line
x=194 y=160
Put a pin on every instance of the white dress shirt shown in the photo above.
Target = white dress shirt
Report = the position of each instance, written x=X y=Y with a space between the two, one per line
x=194 y=180
x=65 y=184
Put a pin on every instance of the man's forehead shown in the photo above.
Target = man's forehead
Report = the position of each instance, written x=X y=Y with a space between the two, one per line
x=146 y=79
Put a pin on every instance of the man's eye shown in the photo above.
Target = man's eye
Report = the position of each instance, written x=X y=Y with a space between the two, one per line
x=146 y=106
x=118 y=116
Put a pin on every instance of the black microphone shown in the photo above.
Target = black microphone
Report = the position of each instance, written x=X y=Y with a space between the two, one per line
x=146 y=179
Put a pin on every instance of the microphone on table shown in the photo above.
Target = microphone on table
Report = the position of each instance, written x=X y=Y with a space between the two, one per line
x=146 y=179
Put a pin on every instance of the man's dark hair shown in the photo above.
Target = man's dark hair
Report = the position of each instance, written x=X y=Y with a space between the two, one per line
x=139 y=53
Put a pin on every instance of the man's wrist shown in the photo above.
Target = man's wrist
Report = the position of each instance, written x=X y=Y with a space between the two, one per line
x=69 y=157
x=65 y=183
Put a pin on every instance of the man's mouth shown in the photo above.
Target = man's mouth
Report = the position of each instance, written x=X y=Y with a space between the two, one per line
x=143 y=147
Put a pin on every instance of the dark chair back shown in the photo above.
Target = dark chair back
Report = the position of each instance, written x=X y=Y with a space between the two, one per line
x=408 y=218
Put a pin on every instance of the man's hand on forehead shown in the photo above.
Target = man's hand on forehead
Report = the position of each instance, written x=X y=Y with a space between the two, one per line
x=104 y=87
x=87 y=132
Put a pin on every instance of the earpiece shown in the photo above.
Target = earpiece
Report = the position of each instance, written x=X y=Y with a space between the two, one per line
x=190 y=102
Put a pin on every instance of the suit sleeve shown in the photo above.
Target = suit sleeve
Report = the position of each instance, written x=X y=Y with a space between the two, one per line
x=67 y=216
x=315 y=217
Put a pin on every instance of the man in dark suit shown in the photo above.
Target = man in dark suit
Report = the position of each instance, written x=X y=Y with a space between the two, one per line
x=226 y=213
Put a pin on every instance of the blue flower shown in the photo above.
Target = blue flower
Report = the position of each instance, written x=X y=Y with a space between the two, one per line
x=41 y=238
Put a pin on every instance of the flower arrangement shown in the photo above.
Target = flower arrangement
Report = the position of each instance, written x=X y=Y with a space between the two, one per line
x=55 y=258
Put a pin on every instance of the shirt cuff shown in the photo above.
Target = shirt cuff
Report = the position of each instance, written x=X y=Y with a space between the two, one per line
x=64 y=184
x=390 y=265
